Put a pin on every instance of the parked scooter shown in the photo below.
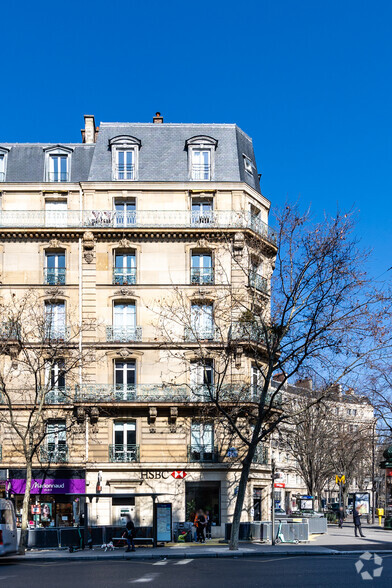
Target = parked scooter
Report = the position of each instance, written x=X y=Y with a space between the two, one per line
x=280 y=537
x=81 y=546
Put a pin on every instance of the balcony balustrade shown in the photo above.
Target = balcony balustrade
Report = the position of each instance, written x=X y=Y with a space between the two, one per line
x=54 y=277
x=55 y=454
x=258 y=282
x=144 y=219
x=2 y=176
x=124 y=277
x=59 y=176
x=201 y=171
x=123 y=334
x=207 y=333
x=60 y=395
x=125 y=171
x=55 y=332
x=202 y=453
x=124 y=453
x=10 y=331
x=202 y=275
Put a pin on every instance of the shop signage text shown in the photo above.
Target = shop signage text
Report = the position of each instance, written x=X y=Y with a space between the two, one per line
x=159 y=475
x=48 y=486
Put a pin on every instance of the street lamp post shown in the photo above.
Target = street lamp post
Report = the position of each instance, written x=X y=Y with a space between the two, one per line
x=273 y=501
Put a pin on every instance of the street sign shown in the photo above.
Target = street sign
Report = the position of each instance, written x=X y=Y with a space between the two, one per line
x=279 y=485
x=340 y=479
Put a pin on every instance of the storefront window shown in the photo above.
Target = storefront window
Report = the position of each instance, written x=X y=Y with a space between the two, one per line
x=205 y=496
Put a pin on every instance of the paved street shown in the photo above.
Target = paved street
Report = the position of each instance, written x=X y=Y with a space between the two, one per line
x=296 y=571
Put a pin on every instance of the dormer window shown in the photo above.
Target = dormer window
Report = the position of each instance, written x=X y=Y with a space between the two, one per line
x=201 y=160
x=125 y=157
x=3 y=163
x=58 y=164
x=248 y=165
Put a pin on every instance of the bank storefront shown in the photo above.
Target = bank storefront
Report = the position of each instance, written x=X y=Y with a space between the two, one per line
x=49 y=504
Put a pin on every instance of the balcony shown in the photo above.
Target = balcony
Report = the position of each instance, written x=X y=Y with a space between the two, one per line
x=201 y=171
x=54 y=454
x=54 y=277
x=57 y=333
x=10 y=331
x=124 y=453
x=1 y=453
x=258 y=282
x=124 y=277
x=261 y=455
x=202 y=275
x=125 y=171
x=123 y=334
x=202 y=454
x=60 y=395
x=208 y=333
x=59 y=176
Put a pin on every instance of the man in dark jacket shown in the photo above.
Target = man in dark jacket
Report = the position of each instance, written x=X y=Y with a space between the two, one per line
x=130 y=533
x=357 y=522
x=341 y=517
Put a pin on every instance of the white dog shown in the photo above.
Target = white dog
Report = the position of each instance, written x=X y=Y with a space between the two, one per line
x=108 y=546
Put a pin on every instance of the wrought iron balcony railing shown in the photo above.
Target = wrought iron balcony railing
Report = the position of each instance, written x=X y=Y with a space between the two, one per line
x=10 y=331
x=55 y=454
x=54 y=277
x=202 y=453
x=209 y=333
x=261 y=455
x=56 y=332
x=123 y=334
x=124 y=453
x=202 y=275
x=143 y=219
x=124 y=277
x=60 y=395
x=201 y=171
x=258 y=282
x=59 y=176
x=125 y=171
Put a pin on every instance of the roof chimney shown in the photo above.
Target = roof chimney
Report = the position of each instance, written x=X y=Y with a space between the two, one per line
x=90 y=131
x=157 y=119
x=306 y=383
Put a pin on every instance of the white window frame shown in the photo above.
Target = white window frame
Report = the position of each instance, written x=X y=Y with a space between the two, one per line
x=195 y=176
x=56 y=213
x=129 y=318
x=3 y=164
x=202 y=320
x=131 y=203
x=124 y=427
x=202 y=256
x=58 y=318
x=56 y=267
x=248 y=164
x=201 y=143
x=202 y=436
x=56 y=432
x=123 y=390
x=57 y=151
x=128 y=144
x=125 y=150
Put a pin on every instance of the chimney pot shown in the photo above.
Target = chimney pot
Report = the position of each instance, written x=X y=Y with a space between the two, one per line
x=89 y=133
x=157 y=119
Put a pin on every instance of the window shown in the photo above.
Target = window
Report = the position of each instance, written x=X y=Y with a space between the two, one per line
x=124 y=379
x=55 y=268
x=201 y=165
x=204 y=495
x=256 y=278
x=354 y=412
x=55 y=320
x=202 y=442
x=2 y=167
x=256 y=378
x=125 y=212
x=125 y=268
x=56 y=213
x=56 y=441
x=58 y=168
x=125 y=156
x=55 y=383
x=124 y=323
x=124 y=448
x=202 y=213
x=201 y=378
x=125 y=164
x=257 y=504
x=201 y=268
x=201 y=151
x=248 y=165
x=202 y=326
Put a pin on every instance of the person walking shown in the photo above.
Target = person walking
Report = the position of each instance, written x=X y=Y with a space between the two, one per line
x=341 y=517
x=129 y=534
x=200 y=523
x=208 y=524
x=357 y=522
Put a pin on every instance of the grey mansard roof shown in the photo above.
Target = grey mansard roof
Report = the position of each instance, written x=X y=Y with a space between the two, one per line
x=163 y=155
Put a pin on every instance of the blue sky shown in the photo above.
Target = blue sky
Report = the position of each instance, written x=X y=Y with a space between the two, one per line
x=309 y=81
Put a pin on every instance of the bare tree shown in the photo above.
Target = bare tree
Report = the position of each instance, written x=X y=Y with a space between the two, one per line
x=41 y=361
x=326 y=318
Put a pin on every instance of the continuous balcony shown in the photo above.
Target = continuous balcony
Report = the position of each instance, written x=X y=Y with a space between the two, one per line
x=54 y=277
x=123 y=334
x=202 y=454
x=54 y=455
x=124 y=453
x=124 y=277
x=208 y=333
x=202 y=275
x=60 y=395
x=141 y=219
x=258 y=282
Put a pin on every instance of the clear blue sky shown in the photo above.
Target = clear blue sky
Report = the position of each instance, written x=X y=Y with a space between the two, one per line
x=310 y=81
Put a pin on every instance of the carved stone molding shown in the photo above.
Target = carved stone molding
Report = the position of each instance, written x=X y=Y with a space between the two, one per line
x=88 y=256
x=125 y=292
x=124 y=244
x=124 y=353
x=55 y=244
x=54 y=292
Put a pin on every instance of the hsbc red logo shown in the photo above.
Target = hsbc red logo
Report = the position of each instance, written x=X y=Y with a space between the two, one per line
x=178 y=474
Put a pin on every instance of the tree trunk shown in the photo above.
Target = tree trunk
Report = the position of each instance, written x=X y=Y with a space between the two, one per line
x=25 y=509
x=235 y=527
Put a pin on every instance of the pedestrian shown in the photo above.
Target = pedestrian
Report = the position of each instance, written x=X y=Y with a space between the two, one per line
x=341 y=517
x=129 y=534
x=208 y=524
x=200 y=523
x=357 y=522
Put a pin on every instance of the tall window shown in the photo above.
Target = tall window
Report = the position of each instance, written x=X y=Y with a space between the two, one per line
x=124 y=323
x=124 y=379
x=255 y=381
x=256 y=278
x=58 y=168
x=55 y=320
x=55 y=268
x=202 y=211
x=56 y=213
x=125 y=212
x=201 y=164
x=201 y=377
x=201 y=268
x=124 y=448
x=55 y=382
x=2 y=167
x=125 y=164
x=56 y=441
x=125 y=268
x=202 y=321
x=202 y=441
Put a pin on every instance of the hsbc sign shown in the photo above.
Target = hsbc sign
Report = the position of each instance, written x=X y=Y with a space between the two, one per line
x=162 y=475
x=179 y=475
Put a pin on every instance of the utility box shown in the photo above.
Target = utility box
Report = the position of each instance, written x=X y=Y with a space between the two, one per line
x=380 y=512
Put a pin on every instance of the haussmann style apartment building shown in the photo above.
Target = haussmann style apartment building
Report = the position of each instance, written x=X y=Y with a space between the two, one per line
x=105 y=229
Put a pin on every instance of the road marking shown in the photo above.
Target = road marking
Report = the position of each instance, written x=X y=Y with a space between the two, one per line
x=160 y=563
x=145 y=579
x=183 y=562
x=6 y=577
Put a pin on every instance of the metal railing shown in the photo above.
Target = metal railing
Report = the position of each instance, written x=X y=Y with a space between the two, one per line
x=124 y=277
x=209 y=333
x=60 y=395
x=54 y=454
x=1 y=453
x=201 y=171
x=10 y=331
x=56 y=332
x=124 y=453
x=54 y=276
x=261 y=455
x=125 y=171
x=59 y=176
x=202 y=275
x=202 y=453
x=2 y=176
x=144 y=219
x=259 y=282
x=123 y=334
